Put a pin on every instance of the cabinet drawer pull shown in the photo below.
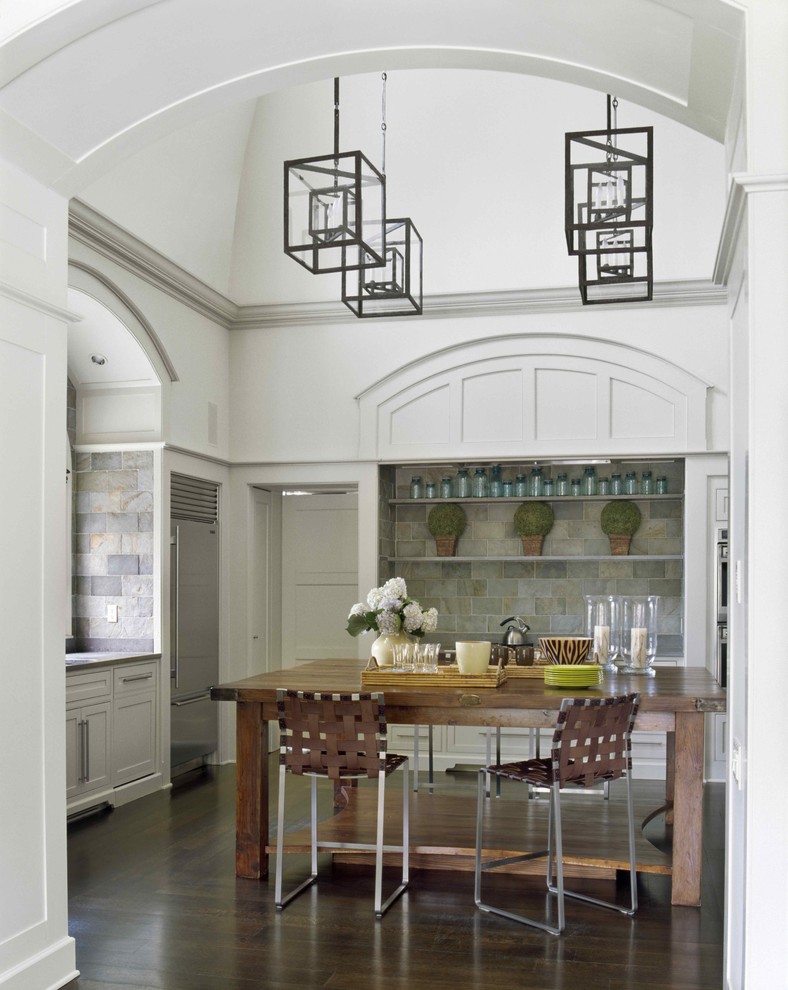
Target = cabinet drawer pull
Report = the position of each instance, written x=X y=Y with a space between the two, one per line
x=83 y=739
x=138 y=677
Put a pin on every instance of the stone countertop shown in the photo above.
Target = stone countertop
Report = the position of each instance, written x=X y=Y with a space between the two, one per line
x=89 y=659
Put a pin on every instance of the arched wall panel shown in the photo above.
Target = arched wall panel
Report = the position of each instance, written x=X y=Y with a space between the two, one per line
x=534 y=396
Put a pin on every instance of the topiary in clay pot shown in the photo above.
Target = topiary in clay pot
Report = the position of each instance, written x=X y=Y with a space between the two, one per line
x=533 y=521
x=619 y=522
x=446 y=522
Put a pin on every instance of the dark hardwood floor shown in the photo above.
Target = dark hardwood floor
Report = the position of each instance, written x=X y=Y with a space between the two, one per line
x=154 y=903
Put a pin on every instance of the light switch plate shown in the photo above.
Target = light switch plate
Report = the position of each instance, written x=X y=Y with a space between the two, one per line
x=112 y=613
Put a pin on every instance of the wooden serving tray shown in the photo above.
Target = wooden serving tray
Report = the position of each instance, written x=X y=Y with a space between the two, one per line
x=448 y=676
x=535 y=670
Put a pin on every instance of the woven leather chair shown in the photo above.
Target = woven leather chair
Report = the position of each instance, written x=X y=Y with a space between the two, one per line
x=337 y=737
x=591 y=743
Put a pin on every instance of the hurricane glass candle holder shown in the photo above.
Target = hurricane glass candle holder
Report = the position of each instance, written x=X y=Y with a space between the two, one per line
x=603 y=625
x=638 y=650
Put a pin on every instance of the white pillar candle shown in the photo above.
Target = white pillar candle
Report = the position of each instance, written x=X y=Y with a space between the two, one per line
x=601 y=643
x=637 y=646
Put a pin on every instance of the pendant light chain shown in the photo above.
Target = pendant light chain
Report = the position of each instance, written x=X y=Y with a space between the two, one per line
x=612 y=124
x=383 y=122
x=336 y=117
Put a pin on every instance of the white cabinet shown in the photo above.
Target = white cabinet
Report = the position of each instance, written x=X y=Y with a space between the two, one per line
x=88 y=743
x=133 y=722
x=87 y=749
x=112 y=715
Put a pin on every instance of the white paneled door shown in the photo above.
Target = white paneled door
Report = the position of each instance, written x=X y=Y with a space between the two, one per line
x=319 y=575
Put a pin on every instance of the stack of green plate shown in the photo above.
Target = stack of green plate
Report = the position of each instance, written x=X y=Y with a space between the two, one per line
x=573 y=675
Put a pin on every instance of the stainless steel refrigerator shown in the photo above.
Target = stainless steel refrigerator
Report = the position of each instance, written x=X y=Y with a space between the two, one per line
x=194 y=634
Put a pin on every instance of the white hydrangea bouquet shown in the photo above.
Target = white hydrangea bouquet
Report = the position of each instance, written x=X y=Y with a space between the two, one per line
x=389 y=610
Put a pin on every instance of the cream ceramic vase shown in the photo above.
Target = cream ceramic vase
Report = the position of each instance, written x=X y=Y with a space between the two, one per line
x=383 y=647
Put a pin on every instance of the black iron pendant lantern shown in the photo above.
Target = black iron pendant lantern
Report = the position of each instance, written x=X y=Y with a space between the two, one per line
x=394 y=289
x=609 y=211
x=335 y=209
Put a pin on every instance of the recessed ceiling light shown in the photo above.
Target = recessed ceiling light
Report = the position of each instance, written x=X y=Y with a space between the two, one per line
x=98 y=359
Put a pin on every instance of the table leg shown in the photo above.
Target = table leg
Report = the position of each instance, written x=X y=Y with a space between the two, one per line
x=688 y=809
x=251 y=791
x=670 y=775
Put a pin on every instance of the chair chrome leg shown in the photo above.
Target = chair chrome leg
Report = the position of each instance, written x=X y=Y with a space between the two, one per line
x=629 y=911
x=483 y=790
x=279 y=900
x=415 y=759
x=382 y=906
x=430 y=766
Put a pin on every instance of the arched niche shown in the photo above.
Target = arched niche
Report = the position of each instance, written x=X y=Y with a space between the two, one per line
x=123 y=399
x=534 y=396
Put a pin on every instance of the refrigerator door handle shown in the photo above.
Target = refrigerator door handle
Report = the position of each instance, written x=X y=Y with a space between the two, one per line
x=174 y=619
x=191 y=701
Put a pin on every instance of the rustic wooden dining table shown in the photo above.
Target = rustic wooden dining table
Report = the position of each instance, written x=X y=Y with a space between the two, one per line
x=673 y=702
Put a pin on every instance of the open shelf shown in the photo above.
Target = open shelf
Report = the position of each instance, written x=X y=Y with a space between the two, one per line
x=521 y=558
x=540 y=498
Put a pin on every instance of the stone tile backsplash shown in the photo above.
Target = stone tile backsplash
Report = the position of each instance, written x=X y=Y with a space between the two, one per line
x=473 y=596
x=113 y=551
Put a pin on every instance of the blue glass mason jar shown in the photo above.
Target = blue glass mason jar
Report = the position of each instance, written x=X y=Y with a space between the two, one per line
x=646 y=484
x=496 y=485
x=521 y=486
x=561 y=485
x=463 y=483
x=535 y=483
x=445 y=487
x=481 y=484
x=616 y=485
x=589 y=481
x=416 y=488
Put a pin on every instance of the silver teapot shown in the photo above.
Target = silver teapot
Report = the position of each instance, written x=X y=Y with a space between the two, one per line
x=514 y=635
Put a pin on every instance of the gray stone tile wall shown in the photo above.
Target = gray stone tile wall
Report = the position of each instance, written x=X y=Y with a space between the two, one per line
x=113 y=558
x=472 y=597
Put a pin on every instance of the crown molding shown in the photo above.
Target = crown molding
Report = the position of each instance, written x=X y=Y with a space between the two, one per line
x=108 y=239
x=458 y=305
x=101 y=234
x=742 y=186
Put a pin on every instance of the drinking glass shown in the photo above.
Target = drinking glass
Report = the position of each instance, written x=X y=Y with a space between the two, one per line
x=403 y=656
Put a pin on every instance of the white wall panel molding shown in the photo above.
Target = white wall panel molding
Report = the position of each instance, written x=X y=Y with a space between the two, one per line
x=36 y=303
x=534 y=396
x=118 y=414
x=742 y=186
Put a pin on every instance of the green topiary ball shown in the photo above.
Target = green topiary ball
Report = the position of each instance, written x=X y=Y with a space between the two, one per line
x=620 y=518
x=447 y=519
x=533 y=519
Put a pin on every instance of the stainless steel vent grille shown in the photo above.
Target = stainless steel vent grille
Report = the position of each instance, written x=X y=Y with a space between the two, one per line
x=193 y=498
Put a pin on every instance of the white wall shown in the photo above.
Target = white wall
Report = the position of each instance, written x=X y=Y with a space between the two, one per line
x=198 y=349
x=307 y=409
x=35 y=948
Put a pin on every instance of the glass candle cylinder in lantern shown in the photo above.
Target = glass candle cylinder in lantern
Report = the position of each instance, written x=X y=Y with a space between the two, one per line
x=603 y=625
x=638 y=634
